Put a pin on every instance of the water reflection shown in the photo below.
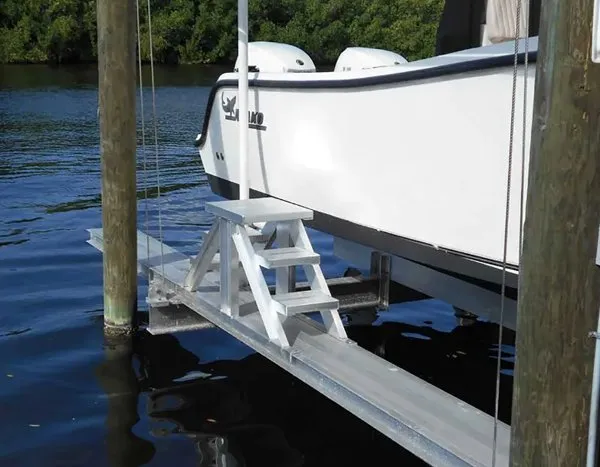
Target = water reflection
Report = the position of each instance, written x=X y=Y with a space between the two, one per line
x=117 y=378
x=214 y=405
x=249 y=412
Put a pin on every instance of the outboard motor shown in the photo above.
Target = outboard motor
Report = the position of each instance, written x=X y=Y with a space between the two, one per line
x=276 y=57
x=363 y=58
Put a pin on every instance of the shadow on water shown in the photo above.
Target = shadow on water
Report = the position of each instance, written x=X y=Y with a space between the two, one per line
x=249 y=412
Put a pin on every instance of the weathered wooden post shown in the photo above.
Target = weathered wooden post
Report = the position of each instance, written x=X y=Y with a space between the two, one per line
x=116 y=83
x=559 y=290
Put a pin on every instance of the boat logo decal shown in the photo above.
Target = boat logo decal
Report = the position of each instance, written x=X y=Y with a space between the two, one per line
x=255 y=119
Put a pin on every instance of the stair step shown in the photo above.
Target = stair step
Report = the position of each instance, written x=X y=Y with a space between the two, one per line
x=283 y=257
x=304 y=302
x=254 y=210
x=256 y=236
x=215 y=264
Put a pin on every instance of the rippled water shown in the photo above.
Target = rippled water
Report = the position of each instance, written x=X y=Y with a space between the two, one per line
x=67 y=400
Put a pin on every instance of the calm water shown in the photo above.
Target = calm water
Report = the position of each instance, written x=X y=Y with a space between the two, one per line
x=68 y=400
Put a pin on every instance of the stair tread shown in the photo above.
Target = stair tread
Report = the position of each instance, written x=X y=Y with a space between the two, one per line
x=305 y=301
x=288 y=256
x=256 y=236
x=253 y=210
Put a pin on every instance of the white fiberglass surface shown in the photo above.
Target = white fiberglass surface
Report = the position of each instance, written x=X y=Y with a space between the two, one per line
x=424 y=160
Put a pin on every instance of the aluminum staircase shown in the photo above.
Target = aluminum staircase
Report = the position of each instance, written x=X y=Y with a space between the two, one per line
x=243 y=234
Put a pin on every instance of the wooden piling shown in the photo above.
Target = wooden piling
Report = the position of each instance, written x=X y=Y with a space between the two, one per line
x=559 y=289
x=117 y=112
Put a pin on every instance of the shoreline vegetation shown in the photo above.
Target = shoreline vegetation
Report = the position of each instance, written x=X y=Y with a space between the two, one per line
x=205 y=31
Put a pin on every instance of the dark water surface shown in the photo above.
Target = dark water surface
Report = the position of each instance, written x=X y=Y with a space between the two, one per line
x=68 y=400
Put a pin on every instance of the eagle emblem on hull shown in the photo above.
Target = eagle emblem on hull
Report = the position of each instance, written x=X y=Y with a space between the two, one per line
x=229 y=106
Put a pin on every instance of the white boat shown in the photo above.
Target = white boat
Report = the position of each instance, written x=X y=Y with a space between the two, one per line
x=409 y=158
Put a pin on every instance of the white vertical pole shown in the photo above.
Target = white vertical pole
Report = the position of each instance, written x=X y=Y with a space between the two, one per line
x=243 y=95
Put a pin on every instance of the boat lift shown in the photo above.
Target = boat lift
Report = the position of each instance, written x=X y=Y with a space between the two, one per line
x=225 y=285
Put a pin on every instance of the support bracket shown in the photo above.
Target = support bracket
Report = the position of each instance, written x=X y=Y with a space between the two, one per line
x=381 y=270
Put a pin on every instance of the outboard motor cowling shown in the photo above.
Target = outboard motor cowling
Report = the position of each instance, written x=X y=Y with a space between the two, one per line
x=276 y=57
x=363 y=58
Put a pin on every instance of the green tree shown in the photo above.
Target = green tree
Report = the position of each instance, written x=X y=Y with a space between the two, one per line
x=205 y=31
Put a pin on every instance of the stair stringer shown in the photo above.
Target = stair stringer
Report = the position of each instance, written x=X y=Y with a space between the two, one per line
x=209 y=253
x=260 y=290
x=314 y=274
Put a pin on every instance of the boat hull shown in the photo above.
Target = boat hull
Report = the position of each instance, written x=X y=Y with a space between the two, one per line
x=414 y=165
